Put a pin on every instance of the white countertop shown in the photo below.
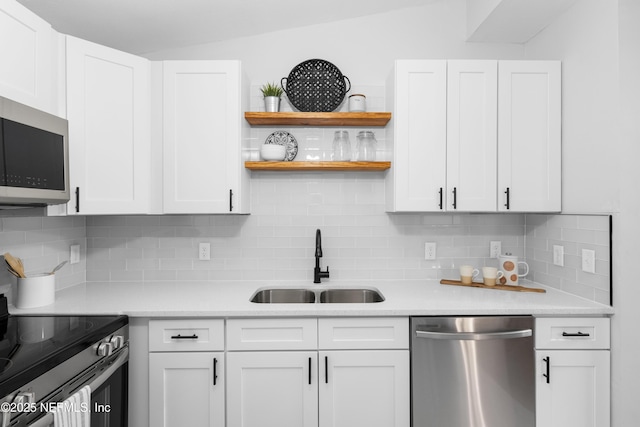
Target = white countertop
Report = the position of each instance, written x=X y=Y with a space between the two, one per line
x=231 y=299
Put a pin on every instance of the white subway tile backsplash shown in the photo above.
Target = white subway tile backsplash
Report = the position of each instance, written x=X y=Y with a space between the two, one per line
x=574 y=233
x=276 y=242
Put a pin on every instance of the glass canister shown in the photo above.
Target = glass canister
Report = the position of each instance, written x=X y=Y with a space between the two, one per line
x=366 y=146
x=341 y=146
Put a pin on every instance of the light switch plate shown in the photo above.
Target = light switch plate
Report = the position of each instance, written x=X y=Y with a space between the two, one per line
x=588 y=260
x=495 y=248
x=74 y=254
x=558 y=255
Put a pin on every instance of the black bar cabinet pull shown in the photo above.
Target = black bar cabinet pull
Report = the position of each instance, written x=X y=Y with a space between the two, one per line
x=548 y=374
x=440 y=194
x=326 y=370
x=577 y=334
x=508 y=202
x=455 y=197
x=309 y=370
x=77 y=199
x=215 y=371
x=230 y=200
x=184 y=337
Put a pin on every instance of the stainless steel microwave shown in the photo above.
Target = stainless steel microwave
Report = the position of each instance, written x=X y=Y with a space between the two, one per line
x=34 y=156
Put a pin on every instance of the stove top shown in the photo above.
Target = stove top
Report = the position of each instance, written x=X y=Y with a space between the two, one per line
x=32 y=345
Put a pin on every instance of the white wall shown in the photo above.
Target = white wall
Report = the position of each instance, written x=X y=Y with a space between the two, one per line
x=626 y=358
x=585 y=38
x=599 y=43
x=363 y=49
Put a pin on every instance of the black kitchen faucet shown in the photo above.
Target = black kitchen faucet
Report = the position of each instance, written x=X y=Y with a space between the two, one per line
x=317 y=272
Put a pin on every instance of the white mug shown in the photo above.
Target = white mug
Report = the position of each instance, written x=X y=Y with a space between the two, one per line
x=468 y=273
x=490 y=275
x=510 y=266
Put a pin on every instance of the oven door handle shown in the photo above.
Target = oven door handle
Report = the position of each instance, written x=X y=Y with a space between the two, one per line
x=123 y=358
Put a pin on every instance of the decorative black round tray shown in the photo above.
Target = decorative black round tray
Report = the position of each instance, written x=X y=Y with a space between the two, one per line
x=316 y=85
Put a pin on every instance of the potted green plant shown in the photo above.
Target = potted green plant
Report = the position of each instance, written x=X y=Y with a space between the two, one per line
x=272 y=93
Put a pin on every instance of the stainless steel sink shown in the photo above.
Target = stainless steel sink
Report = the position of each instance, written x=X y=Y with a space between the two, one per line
x=284 y=296
x=356 y=295
x=310 y=296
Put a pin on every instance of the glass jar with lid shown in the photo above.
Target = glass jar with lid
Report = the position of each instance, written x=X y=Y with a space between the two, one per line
x=366 y=146
x=341 y=146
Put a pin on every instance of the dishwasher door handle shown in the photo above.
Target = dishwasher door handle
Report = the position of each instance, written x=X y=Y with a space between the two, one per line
x=474 y=336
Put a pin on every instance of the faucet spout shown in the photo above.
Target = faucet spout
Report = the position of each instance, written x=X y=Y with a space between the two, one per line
x=317 y=272
x=318 y=244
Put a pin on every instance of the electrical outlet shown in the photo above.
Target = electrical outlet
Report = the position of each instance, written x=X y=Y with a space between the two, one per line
x=430 y=250
x=558 y=255
x=588 y=260
x=74 y=254
x=495 y=248
x=204 y=251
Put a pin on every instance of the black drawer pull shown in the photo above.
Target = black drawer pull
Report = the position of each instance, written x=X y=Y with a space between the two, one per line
x=184 y=337
x=576 y=334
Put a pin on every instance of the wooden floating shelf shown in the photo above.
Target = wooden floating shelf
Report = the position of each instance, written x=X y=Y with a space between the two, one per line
x=317 y=119
x=318 y=166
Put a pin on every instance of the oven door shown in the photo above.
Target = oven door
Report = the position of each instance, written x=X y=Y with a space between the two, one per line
x=109 y=401
x=109 y=396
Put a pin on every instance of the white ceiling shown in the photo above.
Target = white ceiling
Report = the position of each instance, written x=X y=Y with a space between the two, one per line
x=143 y=26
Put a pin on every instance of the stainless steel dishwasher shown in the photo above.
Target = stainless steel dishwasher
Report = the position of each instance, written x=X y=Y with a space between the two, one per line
x=472 y=372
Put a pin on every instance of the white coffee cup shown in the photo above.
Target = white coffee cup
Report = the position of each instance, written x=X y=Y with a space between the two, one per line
x=468 y=273
x=510 y=266
x=490 y=275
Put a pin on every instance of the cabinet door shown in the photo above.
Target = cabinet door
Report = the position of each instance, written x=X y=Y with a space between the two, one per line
x=364 y=388
x=577 y=393
x=417 y=181
x=186 y=389
x=272 y=389
x=471 y=135
x=529 y=136
x=108 y=106
x=201 y=136
x=29 y=51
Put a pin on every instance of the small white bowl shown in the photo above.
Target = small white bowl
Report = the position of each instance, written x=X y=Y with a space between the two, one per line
x=273 y=152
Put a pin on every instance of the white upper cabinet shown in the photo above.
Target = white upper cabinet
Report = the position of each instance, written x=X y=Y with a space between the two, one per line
x=108 y=105
x=31 y=72
x=418 y=175
x=475 y=136
x=529 y=136
x=471 y=135
x=202 y=131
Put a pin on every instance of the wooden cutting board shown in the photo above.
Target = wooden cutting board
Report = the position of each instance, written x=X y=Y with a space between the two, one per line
x=497 y=287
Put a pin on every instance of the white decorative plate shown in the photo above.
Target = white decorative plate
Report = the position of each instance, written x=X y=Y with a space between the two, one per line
x=281 y=137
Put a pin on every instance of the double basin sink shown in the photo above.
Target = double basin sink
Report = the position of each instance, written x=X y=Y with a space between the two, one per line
x=311 y=296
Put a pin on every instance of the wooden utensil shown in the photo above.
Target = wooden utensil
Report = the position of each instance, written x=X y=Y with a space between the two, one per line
x=15 y=264
x=496 y=287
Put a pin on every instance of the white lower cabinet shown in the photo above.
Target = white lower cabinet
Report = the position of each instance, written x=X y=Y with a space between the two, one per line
x=573 y=376
x=186 y=373
x=330 y=387
x=364 y=388
x=186 y=389
x=272 y=389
